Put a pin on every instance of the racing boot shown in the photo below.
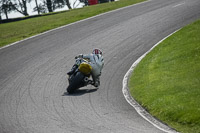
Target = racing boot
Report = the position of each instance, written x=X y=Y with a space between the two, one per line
x=96 y=83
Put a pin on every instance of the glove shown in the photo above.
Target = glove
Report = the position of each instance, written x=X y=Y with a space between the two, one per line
x=79 y=56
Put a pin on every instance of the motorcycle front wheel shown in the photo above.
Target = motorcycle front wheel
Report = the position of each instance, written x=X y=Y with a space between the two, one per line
x=76 y=82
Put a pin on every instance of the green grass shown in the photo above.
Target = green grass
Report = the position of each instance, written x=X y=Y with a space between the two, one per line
x=167 y=81
x=15 y=31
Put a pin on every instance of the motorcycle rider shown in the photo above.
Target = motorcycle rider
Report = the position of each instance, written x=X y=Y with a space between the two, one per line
x=96 y=61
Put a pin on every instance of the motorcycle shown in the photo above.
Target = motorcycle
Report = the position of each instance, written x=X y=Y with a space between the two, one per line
x=81 y=76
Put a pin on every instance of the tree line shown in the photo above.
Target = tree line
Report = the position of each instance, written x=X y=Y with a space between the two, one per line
x=42 y=6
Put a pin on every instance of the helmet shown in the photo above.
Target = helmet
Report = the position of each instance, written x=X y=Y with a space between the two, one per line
x=97 y=51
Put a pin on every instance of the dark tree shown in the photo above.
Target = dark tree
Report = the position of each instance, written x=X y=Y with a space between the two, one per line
x=58 y=4
x=37 y=7
x=49 y=6
x=41 y=8
x=20 y=6
x=5 y=8
x=68 y=4
x=1 y=11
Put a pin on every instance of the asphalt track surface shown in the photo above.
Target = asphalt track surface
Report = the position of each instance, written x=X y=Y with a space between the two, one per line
x=33 y=72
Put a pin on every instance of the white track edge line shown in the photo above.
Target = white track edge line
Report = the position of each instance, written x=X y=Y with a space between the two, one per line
x=74 y=23
x=140 y=110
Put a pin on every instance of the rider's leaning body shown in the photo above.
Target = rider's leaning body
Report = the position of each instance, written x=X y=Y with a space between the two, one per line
x=96 y=61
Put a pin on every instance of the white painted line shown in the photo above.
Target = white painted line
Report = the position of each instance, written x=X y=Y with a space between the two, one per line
x=179 y=4
x=140 y=110
x=75 y=23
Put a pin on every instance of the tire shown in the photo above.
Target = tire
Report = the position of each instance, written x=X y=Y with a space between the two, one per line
x=76 y=82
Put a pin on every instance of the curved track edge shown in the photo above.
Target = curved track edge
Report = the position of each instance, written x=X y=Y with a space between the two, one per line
x=140 y=110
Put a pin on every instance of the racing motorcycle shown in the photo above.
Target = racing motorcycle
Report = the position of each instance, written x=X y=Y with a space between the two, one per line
x=81 y=76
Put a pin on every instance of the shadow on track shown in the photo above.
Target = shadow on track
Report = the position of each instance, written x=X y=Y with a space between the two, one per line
x=80 y=92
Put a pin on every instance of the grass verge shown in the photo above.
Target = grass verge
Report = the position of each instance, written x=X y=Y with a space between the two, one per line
x=167 y=81
x=15 y=31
